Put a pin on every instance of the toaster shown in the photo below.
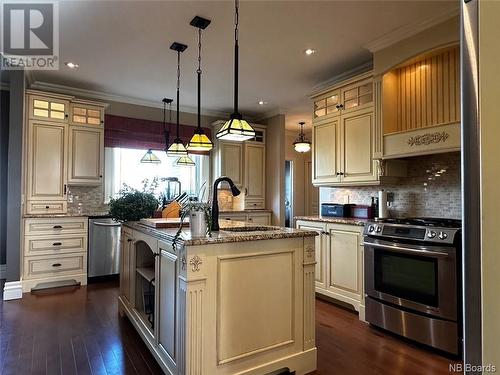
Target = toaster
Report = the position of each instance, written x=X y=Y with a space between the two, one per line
x=336 y=209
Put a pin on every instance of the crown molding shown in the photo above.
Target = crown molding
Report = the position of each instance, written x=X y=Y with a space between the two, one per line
x=46 y=86
x=409 y=30
x=325 y=85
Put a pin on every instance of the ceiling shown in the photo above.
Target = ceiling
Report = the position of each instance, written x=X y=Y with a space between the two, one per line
x=123 y=48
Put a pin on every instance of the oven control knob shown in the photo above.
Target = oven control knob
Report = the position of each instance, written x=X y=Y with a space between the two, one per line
x=379 y=229
x=371 y=228
x=431 y=234
x=443 y=236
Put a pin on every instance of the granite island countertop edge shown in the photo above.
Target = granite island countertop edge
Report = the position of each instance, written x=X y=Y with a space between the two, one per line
x=221 y=236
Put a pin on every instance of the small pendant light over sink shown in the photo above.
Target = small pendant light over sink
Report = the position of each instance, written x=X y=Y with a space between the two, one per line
x=302 y=144
x=150 y=158
x=236 y=128
x=177 y=148
x=199 y=141
x=185 y=161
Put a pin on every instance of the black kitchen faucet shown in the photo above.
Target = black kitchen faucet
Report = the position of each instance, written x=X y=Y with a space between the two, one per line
x=215 y=204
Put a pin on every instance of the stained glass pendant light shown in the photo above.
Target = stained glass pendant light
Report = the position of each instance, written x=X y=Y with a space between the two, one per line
x=150 y=158
x=199 y=141
x=177 y=148
x=302 y=144
x=236 y=128
x=185 y=161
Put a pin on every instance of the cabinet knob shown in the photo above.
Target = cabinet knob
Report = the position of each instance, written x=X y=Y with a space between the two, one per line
x=129 y=239
x=66 y=115
x=47 y=207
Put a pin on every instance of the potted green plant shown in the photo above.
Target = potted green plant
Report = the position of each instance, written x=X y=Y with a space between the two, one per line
x=133 y=204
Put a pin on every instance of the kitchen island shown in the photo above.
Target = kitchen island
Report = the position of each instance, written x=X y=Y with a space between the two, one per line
x=238 y=302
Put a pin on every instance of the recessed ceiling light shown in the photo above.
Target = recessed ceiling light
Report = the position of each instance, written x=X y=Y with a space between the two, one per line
x=71 y=65
x=309 y=51
x=262 y=102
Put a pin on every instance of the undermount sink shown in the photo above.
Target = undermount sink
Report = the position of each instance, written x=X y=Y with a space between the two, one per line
x=249 y=229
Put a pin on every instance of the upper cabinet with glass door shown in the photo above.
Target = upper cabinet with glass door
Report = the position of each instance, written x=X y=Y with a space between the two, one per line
x=86 y=113
x=50 y=107
x=327 y=105
x=358 y=95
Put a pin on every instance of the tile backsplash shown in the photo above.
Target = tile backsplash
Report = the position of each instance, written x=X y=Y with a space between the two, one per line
x=431 y=189
x=90 y=197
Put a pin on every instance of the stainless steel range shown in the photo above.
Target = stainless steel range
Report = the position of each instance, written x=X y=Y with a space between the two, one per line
x=412 y=278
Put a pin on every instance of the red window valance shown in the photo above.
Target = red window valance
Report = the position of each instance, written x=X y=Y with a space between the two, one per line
x=129 y=132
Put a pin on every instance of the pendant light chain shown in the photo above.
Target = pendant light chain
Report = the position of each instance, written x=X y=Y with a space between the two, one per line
x=236 y=19
x=199 y=78
x=178 y=88
x=236 y=53
x=199 y=52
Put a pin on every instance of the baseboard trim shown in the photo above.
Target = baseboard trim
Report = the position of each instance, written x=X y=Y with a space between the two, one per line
x=3 y=271
x=12 y=290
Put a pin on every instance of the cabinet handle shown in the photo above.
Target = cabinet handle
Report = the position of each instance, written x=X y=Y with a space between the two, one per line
x=56 y=265
x=47 y=207
x=57 y=227
x=246 y=191
x=341 y=106
x=57 y=244
x=65 y=189
x=129 y=239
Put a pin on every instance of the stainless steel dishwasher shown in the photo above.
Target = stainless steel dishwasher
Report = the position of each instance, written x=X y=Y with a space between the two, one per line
x=104 y=247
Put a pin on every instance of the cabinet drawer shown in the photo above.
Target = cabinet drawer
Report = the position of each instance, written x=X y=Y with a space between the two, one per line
x=254 y=204
x=37 y=267
x=54 y=245
x=55 y=226
x=260 y=219
x=47 y=207
x=232 y=217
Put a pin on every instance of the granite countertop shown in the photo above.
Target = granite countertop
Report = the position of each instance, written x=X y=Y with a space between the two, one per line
x=334 y=220
x=224 y=236
x=248 y=211
x=72 y=214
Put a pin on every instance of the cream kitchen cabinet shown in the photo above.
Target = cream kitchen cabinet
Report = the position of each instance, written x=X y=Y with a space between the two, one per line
x=57 y=153
x=343 y=141
x=319 y=250
x=48 y=106
x=231 y=161
x=86 y=155
x=245 y=164
x=126 y=286
x=342 y=150
x=356 y=151
x=257 y=218
x=339 y=262
x=325 y=152
x=46 y=155
x=255 y=176
x=87 y=113
x=54 y=252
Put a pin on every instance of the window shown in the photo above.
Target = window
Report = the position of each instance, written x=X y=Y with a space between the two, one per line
x=123 y=166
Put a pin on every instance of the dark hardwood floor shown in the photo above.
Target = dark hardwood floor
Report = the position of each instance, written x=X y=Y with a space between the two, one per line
x=78 y=331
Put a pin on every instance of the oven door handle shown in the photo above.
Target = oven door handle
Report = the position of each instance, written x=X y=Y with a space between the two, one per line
x=407 y=250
